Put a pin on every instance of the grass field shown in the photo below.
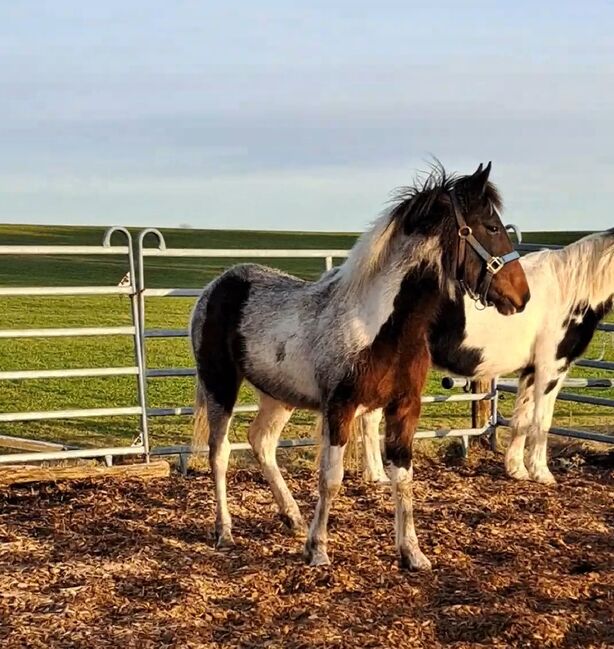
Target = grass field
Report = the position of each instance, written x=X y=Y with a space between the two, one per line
x=55 y=353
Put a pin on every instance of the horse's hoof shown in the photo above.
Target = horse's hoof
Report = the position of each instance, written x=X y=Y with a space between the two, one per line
x=377 y=479
x=415 y=561
x=543 y=476
x=315 y=556
x=319 y=558
x=518 y=472
x=224 y=540
x=295 y=524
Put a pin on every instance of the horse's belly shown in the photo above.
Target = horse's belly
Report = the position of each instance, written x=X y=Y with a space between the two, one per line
x=284 y=372
x=505 y=357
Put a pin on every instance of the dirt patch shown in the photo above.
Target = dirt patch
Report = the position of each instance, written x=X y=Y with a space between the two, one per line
x=129 y=564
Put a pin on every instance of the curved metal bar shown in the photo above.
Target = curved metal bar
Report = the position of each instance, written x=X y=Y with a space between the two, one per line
x=516 y=230
x=159 y=236
x=109 y=232
x=140 y=308
x=138 y=336
x=141 y=278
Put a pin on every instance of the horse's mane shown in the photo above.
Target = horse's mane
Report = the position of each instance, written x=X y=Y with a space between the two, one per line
x=584 y=268
x=410 y=206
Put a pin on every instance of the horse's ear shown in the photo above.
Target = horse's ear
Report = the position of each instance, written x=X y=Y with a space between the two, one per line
x=479 y=179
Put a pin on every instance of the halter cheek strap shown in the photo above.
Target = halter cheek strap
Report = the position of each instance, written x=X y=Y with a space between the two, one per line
x=492 y=264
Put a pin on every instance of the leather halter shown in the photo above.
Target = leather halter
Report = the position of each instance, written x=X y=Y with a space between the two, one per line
x=492 y=264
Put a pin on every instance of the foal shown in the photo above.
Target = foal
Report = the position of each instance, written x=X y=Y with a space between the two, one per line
x=348 y=343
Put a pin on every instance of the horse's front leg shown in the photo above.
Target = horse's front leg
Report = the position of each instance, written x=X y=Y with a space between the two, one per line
x=401 y=423
x=335 y=434
x=537 y=456
x=521 y=425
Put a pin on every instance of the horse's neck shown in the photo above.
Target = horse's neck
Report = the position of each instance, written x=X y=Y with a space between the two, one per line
x=363 y=312
x=399 y=293
x=586 y=279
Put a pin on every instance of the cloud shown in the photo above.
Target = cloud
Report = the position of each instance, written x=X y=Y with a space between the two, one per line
x=275 y=116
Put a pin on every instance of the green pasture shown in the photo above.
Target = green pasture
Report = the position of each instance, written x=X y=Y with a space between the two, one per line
x=57 y=353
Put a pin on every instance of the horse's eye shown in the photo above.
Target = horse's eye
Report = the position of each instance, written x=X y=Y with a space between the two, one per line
x=493 y=229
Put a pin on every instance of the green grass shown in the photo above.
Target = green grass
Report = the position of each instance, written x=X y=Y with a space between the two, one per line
x=20 y=312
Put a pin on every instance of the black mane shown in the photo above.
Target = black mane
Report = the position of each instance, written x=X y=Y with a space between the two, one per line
x=415 y=204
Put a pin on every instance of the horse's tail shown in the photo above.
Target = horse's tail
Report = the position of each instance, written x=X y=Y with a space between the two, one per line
x=353 y=453
x=355 y=450
x=200 y=434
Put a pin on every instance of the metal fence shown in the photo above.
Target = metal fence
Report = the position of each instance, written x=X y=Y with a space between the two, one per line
x=41 y=450
x=139 y=292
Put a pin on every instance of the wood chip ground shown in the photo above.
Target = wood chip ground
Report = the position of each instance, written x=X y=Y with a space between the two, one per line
x=125 y=563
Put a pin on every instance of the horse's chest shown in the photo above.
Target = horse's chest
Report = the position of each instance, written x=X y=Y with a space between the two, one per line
x=385 y=372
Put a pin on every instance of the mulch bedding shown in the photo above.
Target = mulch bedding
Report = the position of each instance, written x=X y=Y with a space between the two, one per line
x=131 y=564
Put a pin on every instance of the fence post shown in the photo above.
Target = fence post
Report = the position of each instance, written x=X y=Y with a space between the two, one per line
x=480 y=410
x=494 y=414
x=141 y=379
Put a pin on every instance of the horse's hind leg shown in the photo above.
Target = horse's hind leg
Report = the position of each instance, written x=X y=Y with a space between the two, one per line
x=263 y=436
x=219 y=452
x=335 y=434
x=212 y=420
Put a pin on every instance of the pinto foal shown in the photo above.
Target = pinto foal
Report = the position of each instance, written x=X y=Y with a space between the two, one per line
x=349 y=343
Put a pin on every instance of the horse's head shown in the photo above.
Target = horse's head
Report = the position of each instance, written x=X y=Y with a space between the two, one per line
x=463 y=213
x=486 y=264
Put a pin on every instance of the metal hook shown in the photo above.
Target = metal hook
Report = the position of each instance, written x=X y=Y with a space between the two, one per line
x=516 y=230
x=157 y=233
x=109 y=232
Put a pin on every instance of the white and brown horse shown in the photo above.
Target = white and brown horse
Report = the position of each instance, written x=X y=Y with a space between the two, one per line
x=350 y=342
x=572 y=289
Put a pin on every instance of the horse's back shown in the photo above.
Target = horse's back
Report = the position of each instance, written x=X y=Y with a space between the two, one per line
x=237 y=282
x=265 y=318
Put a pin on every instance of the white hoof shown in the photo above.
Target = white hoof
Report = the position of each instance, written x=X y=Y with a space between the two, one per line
x=319 y=559
x=517 y=471
x=376 y=478
x=542 y=475
x=314 y=555
x=224 y=540
x=415 y=560
x=295 y=524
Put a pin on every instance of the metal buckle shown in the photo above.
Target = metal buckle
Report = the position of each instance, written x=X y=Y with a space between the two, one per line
x=464 y=232
x=494 y=265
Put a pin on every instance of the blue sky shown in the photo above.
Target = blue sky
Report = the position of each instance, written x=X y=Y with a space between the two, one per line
x=296 y=115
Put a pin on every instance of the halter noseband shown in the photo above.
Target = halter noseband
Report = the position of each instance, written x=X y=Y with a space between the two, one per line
x=492 y=264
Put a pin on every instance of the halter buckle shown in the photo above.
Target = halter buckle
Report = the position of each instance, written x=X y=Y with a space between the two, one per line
x=494 y=265
x=464 y=232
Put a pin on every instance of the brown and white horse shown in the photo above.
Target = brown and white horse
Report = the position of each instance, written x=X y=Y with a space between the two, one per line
x=572 y=290
x=350 y=342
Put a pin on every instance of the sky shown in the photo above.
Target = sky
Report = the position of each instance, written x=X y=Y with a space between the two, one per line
x=301 y=115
